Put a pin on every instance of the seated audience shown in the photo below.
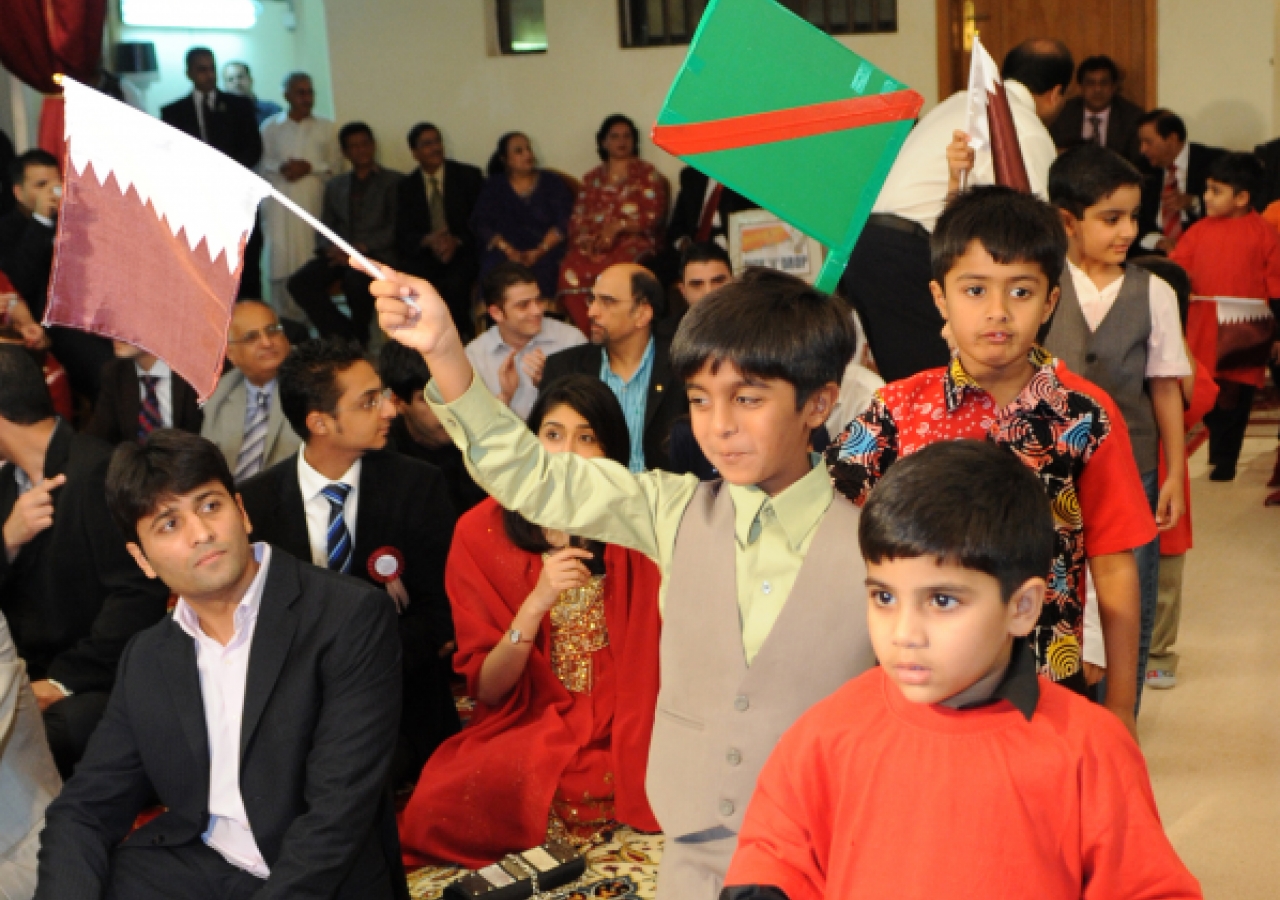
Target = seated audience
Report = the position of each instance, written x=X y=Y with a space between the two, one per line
x=243 y=417
x=140 y=393
x=523 y=212
x=416 y=431
x=558 y=640
x=951 y=769
x=703 y=268
x=28 y=777
x=18 y=327
x=346 y=504
x=700 y=216
x=261 y=714
x=1100 y=115
x=510 y=356
x=360 y=206
x=1171 y=197
x=433 y=222
x=238 y=80
x=617 y=218
x=71 y=594
x=631 y=359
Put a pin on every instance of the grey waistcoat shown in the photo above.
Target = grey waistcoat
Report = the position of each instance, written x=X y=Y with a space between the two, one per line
x=718 y=720
x=1115 y=356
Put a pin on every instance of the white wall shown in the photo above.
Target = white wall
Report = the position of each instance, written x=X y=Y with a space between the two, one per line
x=396 y=62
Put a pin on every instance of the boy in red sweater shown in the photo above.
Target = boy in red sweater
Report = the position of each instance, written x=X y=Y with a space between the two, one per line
x=953 y=770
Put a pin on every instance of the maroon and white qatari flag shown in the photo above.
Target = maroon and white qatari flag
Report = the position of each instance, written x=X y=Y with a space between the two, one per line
x=990 y=121
x=151 y=235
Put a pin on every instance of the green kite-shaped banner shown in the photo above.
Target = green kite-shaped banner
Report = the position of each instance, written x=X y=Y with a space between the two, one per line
x=789 y=117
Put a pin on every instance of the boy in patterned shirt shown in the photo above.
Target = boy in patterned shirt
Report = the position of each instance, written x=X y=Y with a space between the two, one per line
x=997 y=257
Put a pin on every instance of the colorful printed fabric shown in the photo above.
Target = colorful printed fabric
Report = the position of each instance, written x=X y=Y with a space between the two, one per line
x=1052 y=428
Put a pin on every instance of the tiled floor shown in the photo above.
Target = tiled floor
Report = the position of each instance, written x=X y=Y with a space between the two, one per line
x=1213 y=743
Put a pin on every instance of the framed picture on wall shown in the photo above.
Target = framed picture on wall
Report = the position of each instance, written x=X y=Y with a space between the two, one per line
x=759 y=238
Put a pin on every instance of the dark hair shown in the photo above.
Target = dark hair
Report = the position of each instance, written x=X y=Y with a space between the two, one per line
x=704 y=252
x=23 y=161
x=967 y=503
x=1167 y=270
x=1086 y=175
x=169 y=463
x=308 y=379
x=202 y=51
x=416 y=132
x=498 y=161
x=1012 y=226
x=351 y=129
x=493 y=287
x=1098 y=64
x=769 y=325
x=403 y=370
x=1242 y=172
x=646 y=288
x=604 y=132
x=1039 y=64
x=24 y=396
x=590 y=398
x=1166 y=123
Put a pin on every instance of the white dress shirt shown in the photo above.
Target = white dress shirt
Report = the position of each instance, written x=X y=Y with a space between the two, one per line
x=489 y=351
x=292 y=241
x=223 y=674
x=164 y=388
x=317 y=507
x=1166 y=352
x=1086 y=127
x=916 y=188
x=201 y=101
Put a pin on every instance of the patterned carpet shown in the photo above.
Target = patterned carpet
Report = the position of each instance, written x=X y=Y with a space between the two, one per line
x=622 y=865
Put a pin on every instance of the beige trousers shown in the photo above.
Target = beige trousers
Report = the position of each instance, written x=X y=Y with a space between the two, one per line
x=695 y=869
x=1168 y=611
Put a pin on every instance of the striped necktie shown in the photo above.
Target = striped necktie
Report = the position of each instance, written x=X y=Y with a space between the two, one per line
x=253 y=448
x=149 y=418
x=1171 y=217
x=339 y=538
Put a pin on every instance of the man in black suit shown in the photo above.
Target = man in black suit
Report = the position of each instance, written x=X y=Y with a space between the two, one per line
x=396 y=522
x=701 y=215
x=72 y=595
x=626 y=354
x=226 y=122
x=1099 y=115
x=261 y=714
x=139 y=394
x=1171 y=197
x=433 y=223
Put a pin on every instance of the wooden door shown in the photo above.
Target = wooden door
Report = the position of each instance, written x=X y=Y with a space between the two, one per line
x=1125 y=30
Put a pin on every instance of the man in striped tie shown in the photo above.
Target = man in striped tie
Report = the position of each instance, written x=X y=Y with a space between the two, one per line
x=139 y=394
x=347 y=504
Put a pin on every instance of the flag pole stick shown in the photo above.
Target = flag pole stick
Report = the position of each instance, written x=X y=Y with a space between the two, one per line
x=369 y=267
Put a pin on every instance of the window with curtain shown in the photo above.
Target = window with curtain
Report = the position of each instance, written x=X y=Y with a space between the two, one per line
x=652 y=23
x=522 y=27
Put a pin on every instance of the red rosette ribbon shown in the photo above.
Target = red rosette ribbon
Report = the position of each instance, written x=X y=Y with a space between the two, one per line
x=386 y=564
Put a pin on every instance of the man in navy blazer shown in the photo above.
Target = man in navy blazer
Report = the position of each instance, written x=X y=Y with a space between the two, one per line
x=261 y=714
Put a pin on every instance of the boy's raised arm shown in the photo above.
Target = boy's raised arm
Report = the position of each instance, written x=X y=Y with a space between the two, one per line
x=429 y=329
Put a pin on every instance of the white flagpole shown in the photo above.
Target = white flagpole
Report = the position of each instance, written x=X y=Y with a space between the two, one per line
x=370 y=269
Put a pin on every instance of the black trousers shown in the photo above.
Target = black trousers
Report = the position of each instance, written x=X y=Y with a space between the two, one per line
x=1227 y=423
x=887 y=282
x=251 y=274
x=310 y=287
x=455 y=280
x=192 y=871
x=69 y=724
x=83 y=355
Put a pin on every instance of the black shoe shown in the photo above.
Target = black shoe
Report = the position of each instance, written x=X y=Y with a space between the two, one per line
x=1223 y=473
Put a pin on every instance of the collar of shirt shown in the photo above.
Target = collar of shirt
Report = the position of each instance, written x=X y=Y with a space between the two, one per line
x=160 y=370
x=246 y=611
x=1019 y=94
x=312 y=482
x=798 y=509
x=46 y=221
x=253 y=391
x=1182 y=160
x=608 y=376
x=22 y=479
x=1103 y=118
x=1019 y=685
x=1044 y=393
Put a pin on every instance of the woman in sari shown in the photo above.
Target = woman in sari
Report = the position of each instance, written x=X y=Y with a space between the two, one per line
x=558 y=641
x=618 y=217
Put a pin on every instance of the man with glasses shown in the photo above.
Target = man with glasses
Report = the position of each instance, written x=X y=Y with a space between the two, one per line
x=243 y=417
x=347 y=504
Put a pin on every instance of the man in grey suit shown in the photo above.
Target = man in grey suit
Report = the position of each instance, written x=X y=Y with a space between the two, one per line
x=28 y=777
x=243 y=416
x=360 y=206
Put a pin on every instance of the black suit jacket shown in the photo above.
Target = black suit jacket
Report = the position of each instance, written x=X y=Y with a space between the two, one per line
x=28 y=259
x=232 y=126
x=321 y=704
x=404 y=503
x=462 y=186
x=688 y=209
x=666 y=401
x=1122 y=127
x=1199 y=160
x=115 y=417
x=73 y=595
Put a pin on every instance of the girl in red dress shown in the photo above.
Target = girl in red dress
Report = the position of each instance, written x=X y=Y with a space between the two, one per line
x=558 y=641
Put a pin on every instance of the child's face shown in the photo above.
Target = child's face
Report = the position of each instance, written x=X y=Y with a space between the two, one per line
x=994 y=309
x=1223 y=201
x=939 y=628
x=1108 y=228
x=749 y=427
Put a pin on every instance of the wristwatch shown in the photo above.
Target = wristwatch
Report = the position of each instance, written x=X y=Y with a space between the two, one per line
x=516 y=636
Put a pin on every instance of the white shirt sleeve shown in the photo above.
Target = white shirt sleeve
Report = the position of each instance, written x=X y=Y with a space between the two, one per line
x=1166 y=349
